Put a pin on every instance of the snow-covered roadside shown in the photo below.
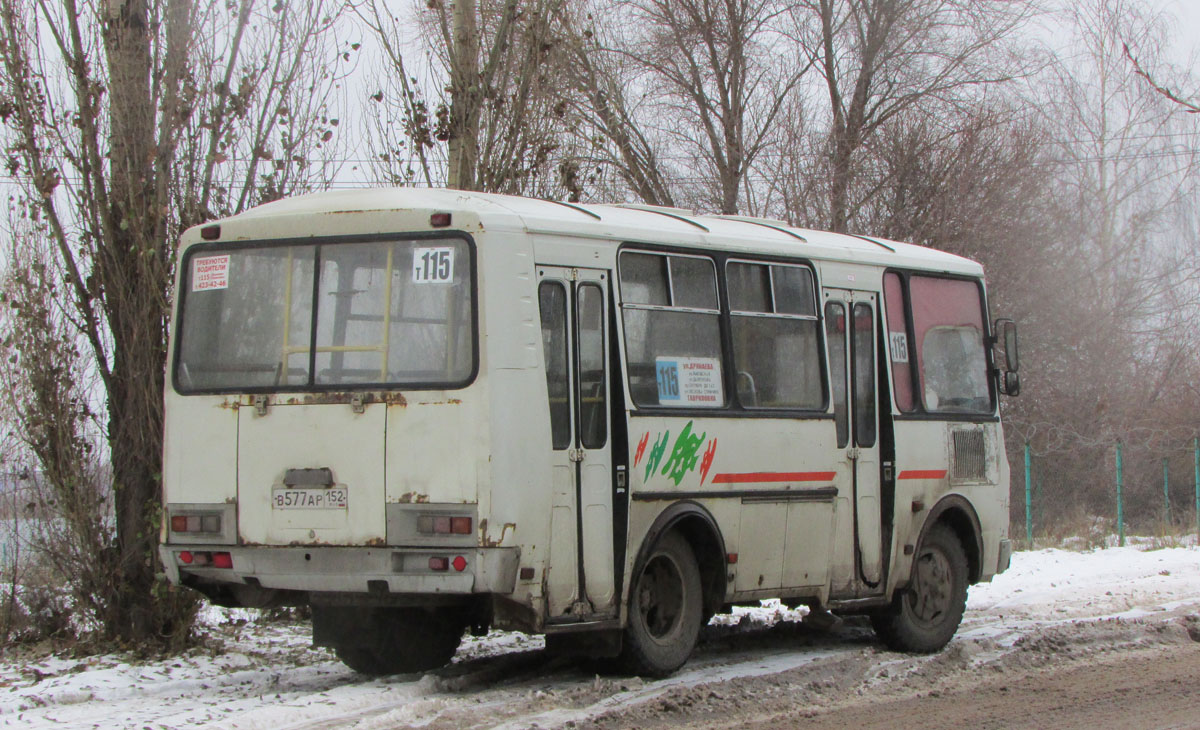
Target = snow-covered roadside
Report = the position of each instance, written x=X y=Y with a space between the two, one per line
x=264 y=675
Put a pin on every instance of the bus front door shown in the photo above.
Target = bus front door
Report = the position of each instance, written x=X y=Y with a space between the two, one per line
x=850 y=330
x=575 y=339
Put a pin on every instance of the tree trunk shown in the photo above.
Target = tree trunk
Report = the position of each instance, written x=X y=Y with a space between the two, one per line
x=134 y=282
x=465 y=96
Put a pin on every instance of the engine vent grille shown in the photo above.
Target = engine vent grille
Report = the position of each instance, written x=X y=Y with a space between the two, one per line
x=970 y=456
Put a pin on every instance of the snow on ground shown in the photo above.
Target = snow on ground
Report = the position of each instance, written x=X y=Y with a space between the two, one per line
x=252 y=673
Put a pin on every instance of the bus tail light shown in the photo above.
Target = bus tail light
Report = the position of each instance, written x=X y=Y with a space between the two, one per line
x=202 y=522
x=439 y=564
x=204 y=559
x=459 y=563
x=443 y=525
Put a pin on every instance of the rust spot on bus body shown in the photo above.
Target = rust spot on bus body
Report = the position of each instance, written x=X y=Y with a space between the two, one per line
x=340 y=398
x=413 y=498
x=483 y=538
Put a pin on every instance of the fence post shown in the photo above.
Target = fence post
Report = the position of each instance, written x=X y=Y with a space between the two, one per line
x=1029 y=500
x=1166 y=495
x=1120 y=502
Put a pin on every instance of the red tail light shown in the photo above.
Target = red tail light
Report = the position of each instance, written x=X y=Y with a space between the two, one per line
x=460 y=563
x=208 y=522
x=185 y=557
x=222 y=560
x=443 y=525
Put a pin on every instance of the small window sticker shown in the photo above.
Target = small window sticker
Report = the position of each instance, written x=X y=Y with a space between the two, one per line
x=210 y=272
x=433 y=266
x=898 y=344
x=689 y=381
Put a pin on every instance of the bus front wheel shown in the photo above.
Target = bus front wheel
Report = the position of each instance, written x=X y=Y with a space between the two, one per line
x=400 y=641
x=665 y=607
x=924 y=616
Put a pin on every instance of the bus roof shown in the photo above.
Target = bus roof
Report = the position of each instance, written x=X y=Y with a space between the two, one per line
x=626 y=223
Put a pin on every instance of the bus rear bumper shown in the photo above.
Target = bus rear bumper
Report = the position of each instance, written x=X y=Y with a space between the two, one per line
x=323 y=569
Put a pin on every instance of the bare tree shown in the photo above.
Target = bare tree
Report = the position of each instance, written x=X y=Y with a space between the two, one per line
x=119 y=133
x=1128 y=164
x=1112 y=323
x=49 y=399
x=712 y=77
x=488 y=114
x=609 y=115
x=881 y=59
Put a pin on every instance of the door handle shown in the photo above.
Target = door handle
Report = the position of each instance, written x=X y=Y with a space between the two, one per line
x=852 y=453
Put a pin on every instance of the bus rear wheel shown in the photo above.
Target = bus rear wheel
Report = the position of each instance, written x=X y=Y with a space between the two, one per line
x=924 y=616
x=400 y=641
x=665 y=607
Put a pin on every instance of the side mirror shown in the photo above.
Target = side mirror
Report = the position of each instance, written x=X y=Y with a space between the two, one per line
x=1006 y=332
x=1011 y=385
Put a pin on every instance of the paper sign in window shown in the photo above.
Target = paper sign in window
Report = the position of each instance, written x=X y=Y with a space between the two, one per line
x=210 y=272
x=433 y=266
x=689 y=381
x=898 y=344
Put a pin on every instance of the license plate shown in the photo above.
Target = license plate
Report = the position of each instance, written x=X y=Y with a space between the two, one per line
x=317 y=498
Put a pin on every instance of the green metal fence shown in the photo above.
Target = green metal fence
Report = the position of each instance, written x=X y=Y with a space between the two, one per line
x=1104 y=489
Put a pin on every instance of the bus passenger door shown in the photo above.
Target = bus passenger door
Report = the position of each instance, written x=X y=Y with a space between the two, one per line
x=580 y=578
x=850 y=330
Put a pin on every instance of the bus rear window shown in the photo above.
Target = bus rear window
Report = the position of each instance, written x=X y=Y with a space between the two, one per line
x=386 y=313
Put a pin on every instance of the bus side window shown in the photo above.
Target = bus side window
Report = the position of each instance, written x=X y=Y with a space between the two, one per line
x=835 y=333
x=775 y=335
x=593 y=398
x=552 y=300
x=863 y=349
x=898 y=345
x=672 y=330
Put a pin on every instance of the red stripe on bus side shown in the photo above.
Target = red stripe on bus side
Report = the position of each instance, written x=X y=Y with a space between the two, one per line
x=923 y=474
x=767 y=477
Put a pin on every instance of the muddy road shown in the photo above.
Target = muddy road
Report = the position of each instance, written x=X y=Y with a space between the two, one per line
x=1064 y=640
x=1112 y=674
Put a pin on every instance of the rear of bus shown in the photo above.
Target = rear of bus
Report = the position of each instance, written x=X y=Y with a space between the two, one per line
x=326 y=427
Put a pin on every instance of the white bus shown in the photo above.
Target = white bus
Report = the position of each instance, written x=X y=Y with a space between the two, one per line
x=421 y=412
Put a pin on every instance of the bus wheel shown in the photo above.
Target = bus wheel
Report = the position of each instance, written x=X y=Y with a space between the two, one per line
x=665 y=606
x=400 y=641
x=924 y=616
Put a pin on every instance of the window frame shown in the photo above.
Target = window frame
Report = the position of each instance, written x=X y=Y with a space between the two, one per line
x=729 y=313
x=183 y=276
x=722 y=328
x=733 y=407
x=920 y=413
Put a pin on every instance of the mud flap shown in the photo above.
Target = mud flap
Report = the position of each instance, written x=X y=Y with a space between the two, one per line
x=336 y=626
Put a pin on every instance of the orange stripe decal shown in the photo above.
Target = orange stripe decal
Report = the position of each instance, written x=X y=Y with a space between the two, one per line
x=923 y=474
x=766 y=477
